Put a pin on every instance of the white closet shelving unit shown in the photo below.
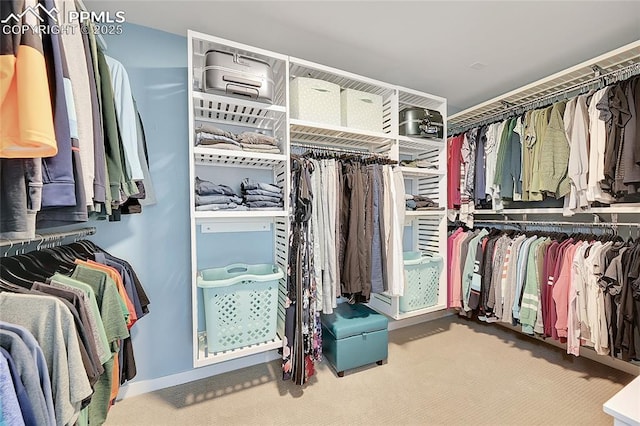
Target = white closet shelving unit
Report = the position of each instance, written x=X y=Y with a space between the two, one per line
x=216 y=229
x=425 y=230
x=306 y=132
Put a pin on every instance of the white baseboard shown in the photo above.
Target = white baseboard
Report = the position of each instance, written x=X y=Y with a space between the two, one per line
x=145 y=386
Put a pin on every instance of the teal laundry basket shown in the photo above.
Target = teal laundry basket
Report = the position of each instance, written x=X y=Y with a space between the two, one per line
x=240 y=304
x=422 y=282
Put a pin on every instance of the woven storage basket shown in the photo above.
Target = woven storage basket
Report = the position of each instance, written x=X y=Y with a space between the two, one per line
x=240 y=304
x=422 y=281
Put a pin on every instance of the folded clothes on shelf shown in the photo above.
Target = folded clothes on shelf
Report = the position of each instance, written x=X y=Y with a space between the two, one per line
x=204 y=187
x=253 y=204
x=261 y=148
x=272 y=209
x=421 y=164
x=261 y=192
x=256 y=139
x=262 y=195
x=218 y=207
x=248 y=184
x=275 y=199
x=211 y=136
x=211 y=139
x=202 y=200
x=255 y=196
x=213 y=130
x=420 y=202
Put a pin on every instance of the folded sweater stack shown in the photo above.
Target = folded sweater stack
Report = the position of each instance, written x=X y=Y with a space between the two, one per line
x=209 y=135
x=420 y=202
x=213 y=197
x=262 y=196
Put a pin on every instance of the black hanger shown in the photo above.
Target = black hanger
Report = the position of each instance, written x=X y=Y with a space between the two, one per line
x=13 y=271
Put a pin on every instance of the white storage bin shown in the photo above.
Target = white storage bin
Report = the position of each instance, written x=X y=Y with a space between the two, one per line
x=315 y=100
x=361 y=110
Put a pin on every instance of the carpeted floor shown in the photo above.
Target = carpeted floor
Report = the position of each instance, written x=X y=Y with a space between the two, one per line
x=449 y=371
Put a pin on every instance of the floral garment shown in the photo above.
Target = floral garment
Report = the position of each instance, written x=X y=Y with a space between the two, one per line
x=302 y=345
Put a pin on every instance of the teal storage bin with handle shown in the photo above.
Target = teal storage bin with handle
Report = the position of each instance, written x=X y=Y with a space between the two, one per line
x=422 y=281
x=240 y=304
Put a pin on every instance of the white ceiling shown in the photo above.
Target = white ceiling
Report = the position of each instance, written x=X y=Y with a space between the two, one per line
x=424 y=45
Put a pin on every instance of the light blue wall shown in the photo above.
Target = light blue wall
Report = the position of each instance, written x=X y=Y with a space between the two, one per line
x=157 y=242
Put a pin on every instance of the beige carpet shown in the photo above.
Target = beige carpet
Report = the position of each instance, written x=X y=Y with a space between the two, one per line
x=449 y=371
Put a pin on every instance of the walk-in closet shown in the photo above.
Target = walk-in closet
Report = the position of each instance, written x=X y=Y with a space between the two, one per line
x=313 y=212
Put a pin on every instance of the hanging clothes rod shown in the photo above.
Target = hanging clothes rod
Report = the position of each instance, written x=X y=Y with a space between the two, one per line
x=50 y=237
x=511 y=109
x=333 y=149
x=575 y=224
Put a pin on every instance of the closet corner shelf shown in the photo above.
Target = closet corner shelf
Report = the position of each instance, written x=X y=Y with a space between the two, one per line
x=241 y=112
x=418 y=172
x=203 y=216
x=344 y=79
x=413 y=98
x=217 y=357
x=326 y=134
x=228 y=158
x=408 y=145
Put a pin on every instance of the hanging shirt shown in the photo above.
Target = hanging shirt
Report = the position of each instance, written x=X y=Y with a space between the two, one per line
x=52 y=325
x=26 y=117
x=597 y=147
x=79 y=79
x=127 y=117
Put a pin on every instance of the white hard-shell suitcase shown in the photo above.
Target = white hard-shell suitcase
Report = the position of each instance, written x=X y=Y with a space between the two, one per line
x=238 y=75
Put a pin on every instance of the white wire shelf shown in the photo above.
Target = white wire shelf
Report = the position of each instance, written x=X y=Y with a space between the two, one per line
x=412 y=98
x=576 y=75
x=616 y=208
x=203 y=216
x=344 y=79
x=420 y=213
x=206 y=358
x=412 y=146
x=421 y=172
x=242 y=112
x=326 y=134
x=228 y=158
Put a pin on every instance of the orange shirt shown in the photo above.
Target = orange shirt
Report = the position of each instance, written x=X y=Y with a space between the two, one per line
x=26 y=115
x=115 y=276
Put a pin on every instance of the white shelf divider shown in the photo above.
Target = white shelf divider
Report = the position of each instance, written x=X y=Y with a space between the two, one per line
x=242 y=112
x=229 y=158
x=409 y=145
x=421 y=172
x=205 y=358
x=202 y=216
